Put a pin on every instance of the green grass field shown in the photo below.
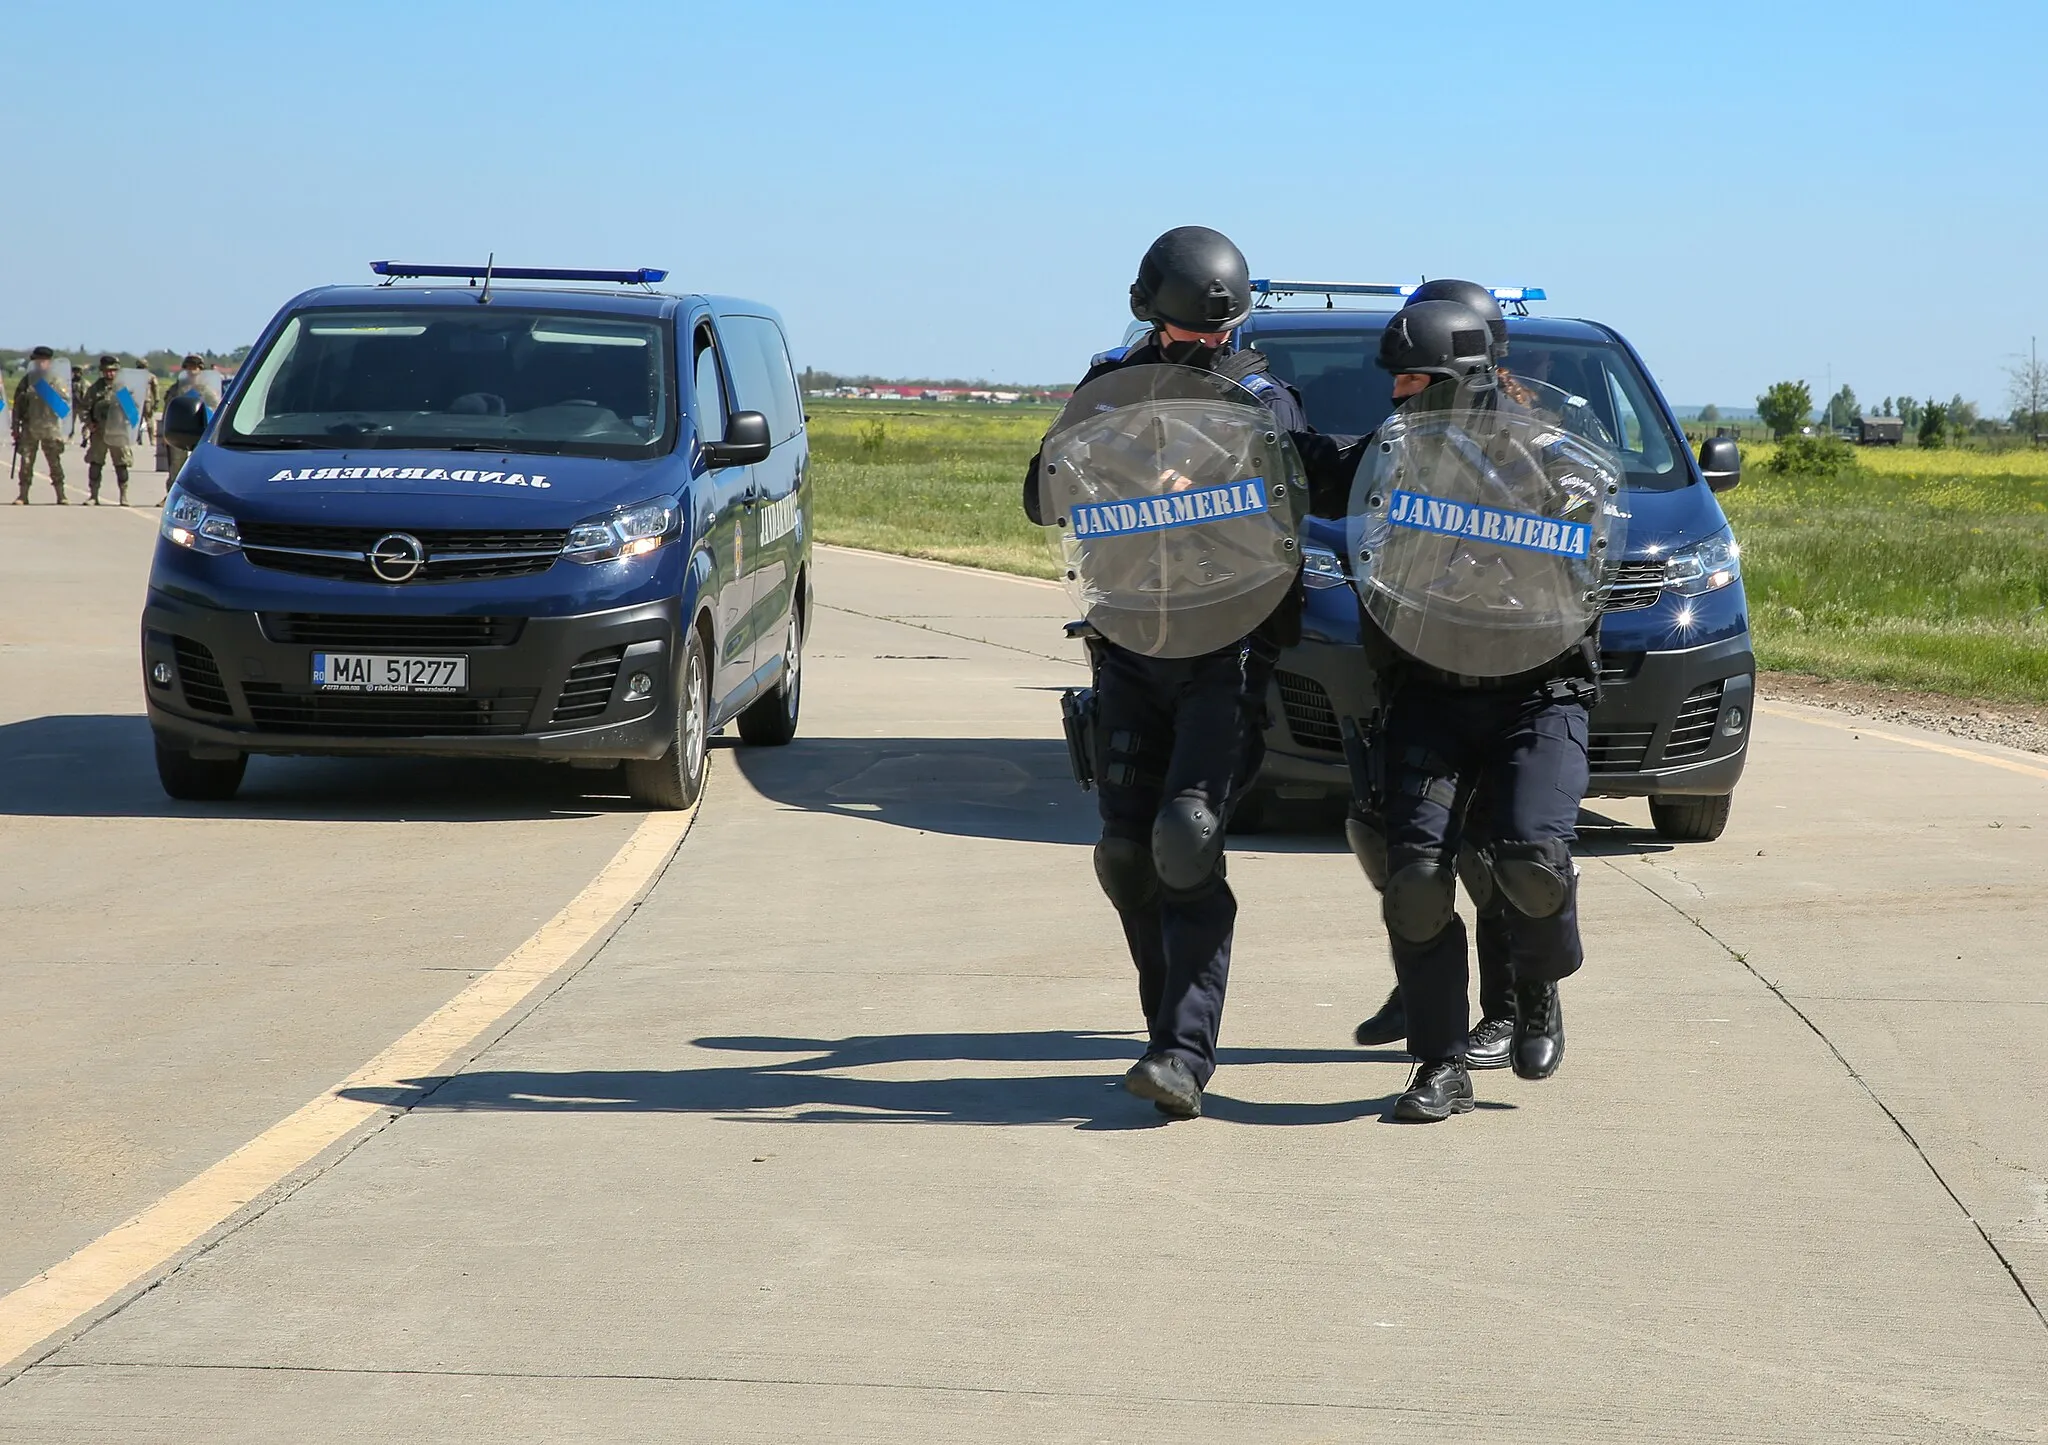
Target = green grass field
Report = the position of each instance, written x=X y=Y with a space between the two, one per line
x=1914 y=569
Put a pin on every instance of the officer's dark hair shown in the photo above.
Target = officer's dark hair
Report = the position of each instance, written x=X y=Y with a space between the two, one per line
x=1474 y=295
x=1193 y=278
x=1444 y=339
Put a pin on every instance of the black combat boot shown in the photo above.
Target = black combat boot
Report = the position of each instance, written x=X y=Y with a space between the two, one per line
x=1440 y=1088
x=1539 y=1029
x=1490 y=1043
x=1388 y=1026
x=1169 y=1083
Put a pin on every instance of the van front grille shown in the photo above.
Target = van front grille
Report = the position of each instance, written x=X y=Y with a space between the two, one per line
x=1311 y=720
x=1631 y=586
x=200 y=674
x=452 y=556
x=1618 y=752
x=388 y=714
x=342 y=629
x=589 y=689
x=1693 y=731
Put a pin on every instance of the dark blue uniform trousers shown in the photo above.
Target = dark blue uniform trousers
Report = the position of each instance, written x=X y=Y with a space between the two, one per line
x=1167 y=728
x=1524 y=753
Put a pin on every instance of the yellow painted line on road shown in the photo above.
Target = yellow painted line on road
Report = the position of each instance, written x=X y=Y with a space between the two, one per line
x=131 y=1252
x=2011 y=765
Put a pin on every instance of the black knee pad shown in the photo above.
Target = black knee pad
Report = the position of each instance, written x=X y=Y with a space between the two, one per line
x=1187 y=843
x=1369 y=845
x=1477 y=875
x=1535 y=878
x=1421 y=900
x=1123 y=866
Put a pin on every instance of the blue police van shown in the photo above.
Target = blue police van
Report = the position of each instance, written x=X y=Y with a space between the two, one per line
x=451 y=515
x=1677 y=671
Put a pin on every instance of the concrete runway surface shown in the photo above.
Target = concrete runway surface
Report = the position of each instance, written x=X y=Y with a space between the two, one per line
x=824 y=1141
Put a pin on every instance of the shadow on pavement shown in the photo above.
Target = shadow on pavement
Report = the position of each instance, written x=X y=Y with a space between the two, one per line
x=804 y=1091
x=100 y=765
x=1012 y=789
x=1604 y=837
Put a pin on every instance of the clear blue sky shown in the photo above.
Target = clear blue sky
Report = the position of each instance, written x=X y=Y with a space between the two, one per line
x=1749 y=191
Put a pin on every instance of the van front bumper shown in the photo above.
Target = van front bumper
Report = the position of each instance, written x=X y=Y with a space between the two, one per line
x=221 y=681
x=1669 y=723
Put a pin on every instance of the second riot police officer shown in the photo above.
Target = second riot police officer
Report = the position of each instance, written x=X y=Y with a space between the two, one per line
x=1479 y=523
x=1175 y=738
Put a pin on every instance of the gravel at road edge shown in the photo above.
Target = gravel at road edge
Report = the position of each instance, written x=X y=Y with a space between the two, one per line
x=2011 y=725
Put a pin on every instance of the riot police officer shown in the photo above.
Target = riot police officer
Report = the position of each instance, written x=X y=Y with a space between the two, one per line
x=109 y=433
x=1177 y=738
x=1489 y=1044
x=1490 y=756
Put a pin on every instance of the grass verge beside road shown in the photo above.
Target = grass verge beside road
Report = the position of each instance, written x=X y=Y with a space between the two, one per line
x=1924 y=570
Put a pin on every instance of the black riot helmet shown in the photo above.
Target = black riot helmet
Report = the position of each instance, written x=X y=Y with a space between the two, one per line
x=1194 y=278
x=1474 y=295
x=1443 y=339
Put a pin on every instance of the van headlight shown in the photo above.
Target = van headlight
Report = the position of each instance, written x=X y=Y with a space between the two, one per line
x=1707 y=567
x=1320 y=567
x=190 y=522
x=628 y=532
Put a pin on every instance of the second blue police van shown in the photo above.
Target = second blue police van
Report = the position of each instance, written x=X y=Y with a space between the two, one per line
x=478 y=511
x=1677 y=671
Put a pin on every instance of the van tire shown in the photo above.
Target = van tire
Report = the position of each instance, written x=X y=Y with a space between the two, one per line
x=770 y=721
x=198 y=780
x=1691 y=820
x=676 y=778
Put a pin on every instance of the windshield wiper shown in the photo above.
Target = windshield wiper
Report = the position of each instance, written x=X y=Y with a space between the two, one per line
x=271 y=444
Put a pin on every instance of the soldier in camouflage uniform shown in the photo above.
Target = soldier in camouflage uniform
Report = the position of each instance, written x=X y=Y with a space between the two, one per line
x=186 y=380
x=37 y=426
x=109 y=434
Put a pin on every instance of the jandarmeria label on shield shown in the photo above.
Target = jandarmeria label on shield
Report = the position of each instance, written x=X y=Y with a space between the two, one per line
x=1177 y=509
x=1489 y=524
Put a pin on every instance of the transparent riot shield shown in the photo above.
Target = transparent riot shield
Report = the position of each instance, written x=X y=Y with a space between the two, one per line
x=1175 y=502
x=1480 y=523
x=131 y=394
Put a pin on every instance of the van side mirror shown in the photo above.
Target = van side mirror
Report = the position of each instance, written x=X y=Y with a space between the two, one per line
x=746 y=442
x=185 y=420
x=1721 y=462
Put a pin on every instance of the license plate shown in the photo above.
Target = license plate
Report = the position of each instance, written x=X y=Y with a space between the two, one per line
x=383 y=672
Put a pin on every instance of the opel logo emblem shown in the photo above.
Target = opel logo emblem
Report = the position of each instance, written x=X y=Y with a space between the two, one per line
x=397 y=557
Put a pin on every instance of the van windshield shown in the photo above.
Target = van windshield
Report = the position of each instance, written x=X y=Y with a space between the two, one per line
x=1345 y=393
x=488 y=378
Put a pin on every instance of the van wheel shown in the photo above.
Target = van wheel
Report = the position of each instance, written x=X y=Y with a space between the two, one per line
x=1691 y=820
x=198 y=780
x=770 y=721
x=676 y=778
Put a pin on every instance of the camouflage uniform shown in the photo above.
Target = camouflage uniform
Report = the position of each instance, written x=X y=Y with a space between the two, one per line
x=37 y=428
x=109 y=436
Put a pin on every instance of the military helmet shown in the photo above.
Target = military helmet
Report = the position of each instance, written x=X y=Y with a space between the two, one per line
x=42 y=353
x=107 y=360
x=1474 y=295
x=192 y=361
x=1193 y=278
x=1444 y=339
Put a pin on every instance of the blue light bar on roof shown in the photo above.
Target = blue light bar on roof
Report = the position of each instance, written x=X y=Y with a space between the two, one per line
x=644 y=276
x=1381 y=288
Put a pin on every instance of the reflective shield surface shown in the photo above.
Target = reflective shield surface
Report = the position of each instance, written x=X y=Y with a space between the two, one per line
x=1176 y=500
x=1480 y=521
x=131 y=393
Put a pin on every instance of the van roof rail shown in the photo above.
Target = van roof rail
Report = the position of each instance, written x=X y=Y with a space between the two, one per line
x=1268 y=291
x=393 y=270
